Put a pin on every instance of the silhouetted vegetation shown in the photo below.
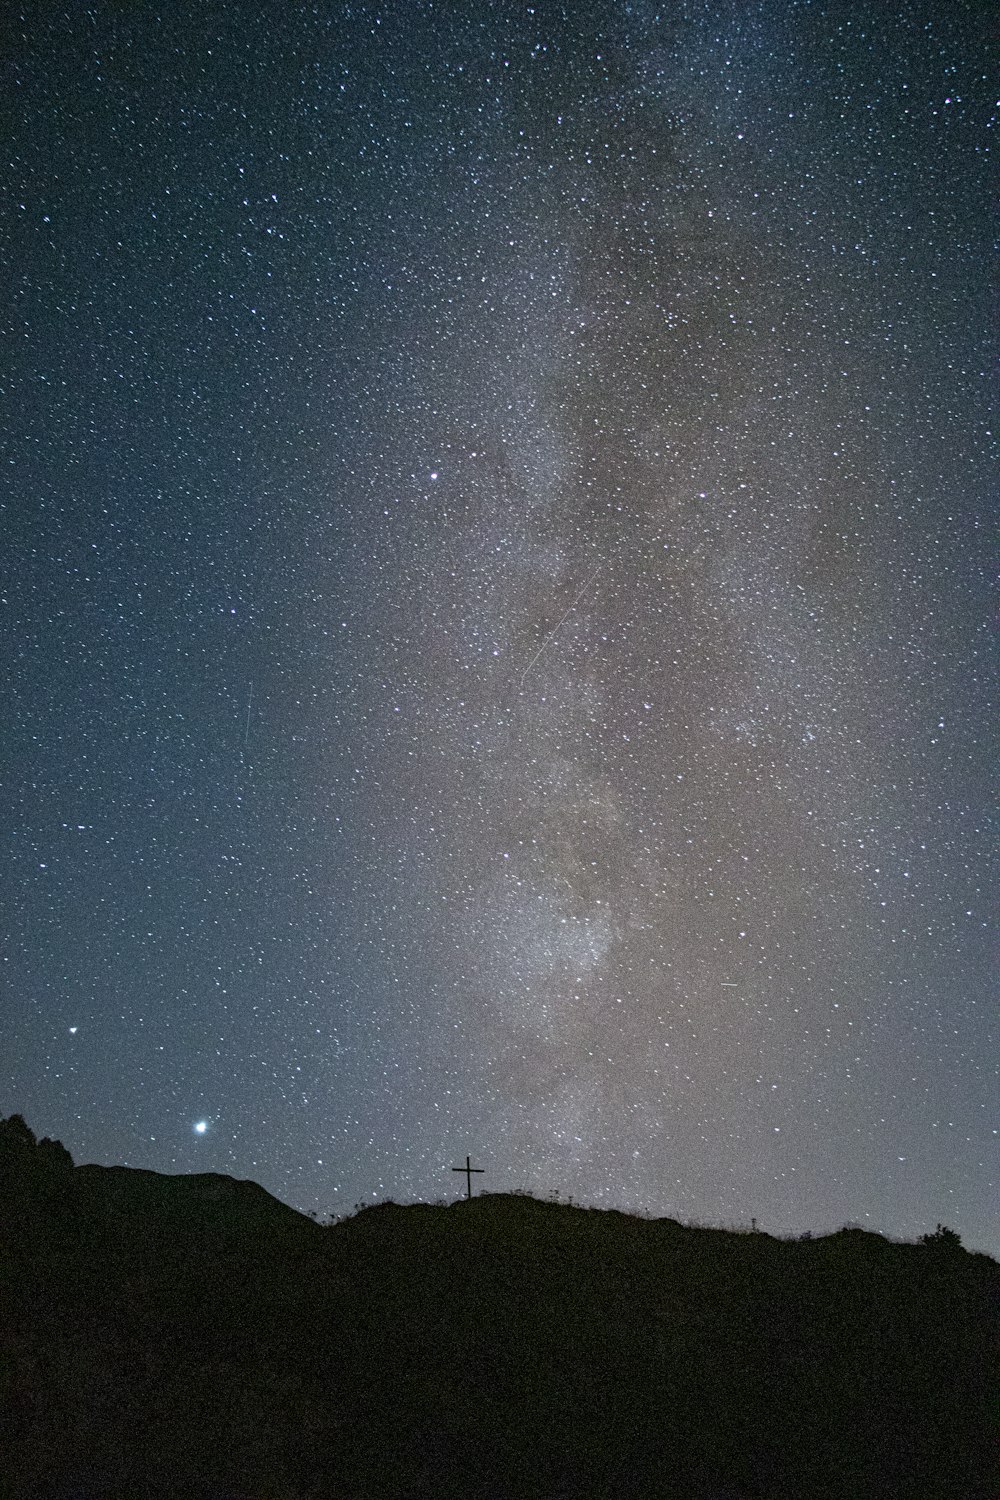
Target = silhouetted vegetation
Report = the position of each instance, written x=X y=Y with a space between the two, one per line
x=193 y=1337
x=943 y=1239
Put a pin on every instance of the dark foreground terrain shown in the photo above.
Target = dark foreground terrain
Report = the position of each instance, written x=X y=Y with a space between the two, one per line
x=193 y=1337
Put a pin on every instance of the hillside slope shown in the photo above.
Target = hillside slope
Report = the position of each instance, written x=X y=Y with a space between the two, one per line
x=169 y=1336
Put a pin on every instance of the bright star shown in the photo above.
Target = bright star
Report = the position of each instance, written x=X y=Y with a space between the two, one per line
x=201 y=1127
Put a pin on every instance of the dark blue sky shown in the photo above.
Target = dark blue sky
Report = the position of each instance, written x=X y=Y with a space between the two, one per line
x=495 y=534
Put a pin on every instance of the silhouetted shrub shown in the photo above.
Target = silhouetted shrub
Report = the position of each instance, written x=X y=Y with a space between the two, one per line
x=16 y=1134
x=943 y=1238
x=54 y=1154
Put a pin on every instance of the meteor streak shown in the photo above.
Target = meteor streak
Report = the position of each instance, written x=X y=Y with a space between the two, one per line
x=596 y=573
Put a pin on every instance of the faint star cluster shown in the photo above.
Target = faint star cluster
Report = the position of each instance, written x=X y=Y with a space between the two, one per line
x=496 y=611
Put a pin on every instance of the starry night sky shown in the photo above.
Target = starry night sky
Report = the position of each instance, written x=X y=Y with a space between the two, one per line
x=495 y=623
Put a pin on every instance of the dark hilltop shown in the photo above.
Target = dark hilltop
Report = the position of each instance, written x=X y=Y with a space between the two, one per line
x=193 y=1337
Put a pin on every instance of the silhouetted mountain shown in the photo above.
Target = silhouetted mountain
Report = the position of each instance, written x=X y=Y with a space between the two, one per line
x=194 y=1337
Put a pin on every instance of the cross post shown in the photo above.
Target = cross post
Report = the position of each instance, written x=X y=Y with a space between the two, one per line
x=468 y=1169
